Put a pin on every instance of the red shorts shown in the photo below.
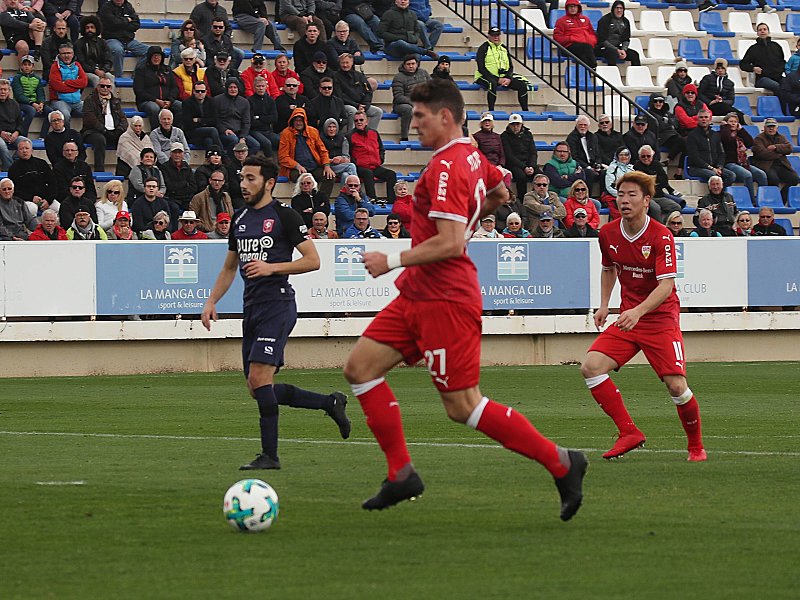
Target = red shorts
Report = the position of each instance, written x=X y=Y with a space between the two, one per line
x=661 y=343
x=446 y=334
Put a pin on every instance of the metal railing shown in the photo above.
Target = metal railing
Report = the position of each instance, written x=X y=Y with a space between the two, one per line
x=554 y=64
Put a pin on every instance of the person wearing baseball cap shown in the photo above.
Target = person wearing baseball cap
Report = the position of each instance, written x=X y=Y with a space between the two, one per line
x=496 y=69
x=773 y=161
x=665 y=128
x=489 y=141
x=121 y=229
x=640 y=135
x=521 y=157
x=546 y=228
x=222 y=227
x=580 y=227
x=716 y=91
x=258 y=68
x=574 y=31
x=487 y=229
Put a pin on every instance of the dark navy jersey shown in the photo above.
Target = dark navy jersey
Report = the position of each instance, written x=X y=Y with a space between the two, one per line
x=268 y=234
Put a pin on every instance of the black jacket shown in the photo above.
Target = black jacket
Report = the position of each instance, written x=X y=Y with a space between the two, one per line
x=70 y=205
x=180 y=184
x=520 y=149
x=608 y=144
x=704 y=148
x=613 y=33
x=353 y=88
x=116 y=25
x=662 y=179
x=310 y=78
x=634 y=140
x=765 y=54
x=263 y=113
x=153 y=82
x=64 y=171
x=579 y=154
x=33 y=177
x=322 y=108
x=92 y=52
x=191 y=109
x=709 y=88
x=304 y=54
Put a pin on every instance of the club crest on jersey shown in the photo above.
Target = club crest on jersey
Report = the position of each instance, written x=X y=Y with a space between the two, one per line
x=646 y=251
x=268 y=223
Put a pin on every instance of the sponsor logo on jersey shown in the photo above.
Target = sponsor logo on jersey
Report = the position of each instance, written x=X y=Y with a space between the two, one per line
x=348 y=264
x=250 y=249
x=441 y=191
x=668 y=254
x=181 y=263
x=614 y=248
x=268 y=225
x=646 y=251
x=512 y=262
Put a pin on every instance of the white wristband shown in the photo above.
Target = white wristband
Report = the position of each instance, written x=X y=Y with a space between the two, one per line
x=393 y=261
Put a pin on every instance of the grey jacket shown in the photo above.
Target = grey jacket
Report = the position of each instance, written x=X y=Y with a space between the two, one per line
x=15 y=220
x=403 y=82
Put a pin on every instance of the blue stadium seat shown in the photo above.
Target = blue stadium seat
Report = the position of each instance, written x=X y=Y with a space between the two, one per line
x=506 y=21
x=721 y=49
x=583 y=79
x=753 y=130
x=769 y=195
x=539 y=47
x=787 y=225
x=712 y=23
x=594 y=16
x=794 y=196
x=770 y=106
x=793 y=23
x=795 y=162
x=689 y=49
x=743 y=104
x=741 y=196
x=555 y=16
x=784 y=131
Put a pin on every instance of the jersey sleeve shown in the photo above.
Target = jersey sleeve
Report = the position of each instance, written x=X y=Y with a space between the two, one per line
x=232 y=246
x=293 y=225
x=605 y=259
x=451 y=190
x=666 y=262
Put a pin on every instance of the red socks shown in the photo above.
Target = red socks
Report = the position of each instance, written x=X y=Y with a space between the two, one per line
x=690 y=419
x=383 y=418
x=608 y=397
x=515 y=432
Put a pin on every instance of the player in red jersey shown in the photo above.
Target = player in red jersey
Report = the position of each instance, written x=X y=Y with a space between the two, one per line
x=640 y=252
x=438 y=313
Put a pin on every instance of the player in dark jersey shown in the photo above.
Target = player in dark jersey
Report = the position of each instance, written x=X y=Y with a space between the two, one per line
x=640 y=252
x=438 y=313
x=262 y=238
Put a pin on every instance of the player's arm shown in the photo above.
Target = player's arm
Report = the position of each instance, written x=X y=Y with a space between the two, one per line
x=608 y=279
x=308 y=261
x=222 y=285
x=629 y=318
x=447 y=243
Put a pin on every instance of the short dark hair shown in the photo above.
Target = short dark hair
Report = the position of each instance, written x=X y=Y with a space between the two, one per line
x=145 y=151
x=438 y=94
x=325 y=80
x=269 y=170
x=77 y=179
x=149 y=179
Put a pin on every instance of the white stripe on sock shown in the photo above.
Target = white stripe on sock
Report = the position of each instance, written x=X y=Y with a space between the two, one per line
x=363 y=388
x=477 y=413
x=593 y=382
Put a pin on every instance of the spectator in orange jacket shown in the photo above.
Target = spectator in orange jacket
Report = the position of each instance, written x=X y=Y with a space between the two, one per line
x=301 y=150
x=574 y=31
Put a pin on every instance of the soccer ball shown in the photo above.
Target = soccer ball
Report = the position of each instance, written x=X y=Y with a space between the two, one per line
x=250 y=505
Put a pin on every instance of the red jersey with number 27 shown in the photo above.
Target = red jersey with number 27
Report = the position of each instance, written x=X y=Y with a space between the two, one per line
x=452 y=186
x=641 y=261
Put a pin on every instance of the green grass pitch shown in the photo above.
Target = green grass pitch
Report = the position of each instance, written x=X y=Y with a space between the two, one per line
x=155 y=454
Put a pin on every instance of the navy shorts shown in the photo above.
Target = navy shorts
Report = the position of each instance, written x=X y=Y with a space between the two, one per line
x=265 y=330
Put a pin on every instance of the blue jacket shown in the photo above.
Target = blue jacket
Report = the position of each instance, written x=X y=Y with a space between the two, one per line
x=369 y=233
x=422 y=8
x=345 y=209
x=69 y=72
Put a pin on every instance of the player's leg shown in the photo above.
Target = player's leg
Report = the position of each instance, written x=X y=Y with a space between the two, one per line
x=260 y=378
x=689 y=413
x=611 y=350
x=515 y=432
x=334 y=404
x=664 y=351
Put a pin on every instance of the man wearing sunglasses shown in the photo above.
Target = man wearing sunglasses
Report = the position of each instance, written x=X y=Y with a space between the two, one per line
x=103 y=121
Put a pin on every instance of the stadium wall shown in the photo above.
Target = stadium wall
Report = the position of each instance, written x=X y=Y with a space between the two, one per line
x=80 y=348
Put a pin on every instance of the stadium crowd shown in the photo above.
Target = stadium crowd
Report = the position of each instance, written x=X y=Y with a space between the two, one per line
x=319 y=122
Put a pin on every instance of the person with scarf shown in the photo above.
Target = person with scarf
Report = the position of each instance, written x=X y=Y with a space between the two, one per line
x=121 y=230
x=130 y=146
x=211 y=201
x=678 y=80
x=735 y=141
x=140 y=173
x=160 y=229
x=495 y=69
x=705 y=225
x=48 y=229
x=688 y=109
x=618 y=167
x=103 y=121
x=744 y=224
x=514 y=228
x=83 y=228
x=307 y=199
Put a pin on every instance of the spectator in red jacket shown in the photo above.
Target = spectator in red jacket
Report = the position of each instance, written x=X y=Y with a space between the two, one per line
x=281 y=73
x=686 y=110
x=258 y=66
x=48 y=229
x=366 y=151
x=188 y=227
x=574 y=31
x=403 y=205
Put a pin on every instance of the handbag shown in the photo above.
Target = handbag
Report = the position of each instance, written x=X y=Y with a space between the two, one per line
x=364 y=11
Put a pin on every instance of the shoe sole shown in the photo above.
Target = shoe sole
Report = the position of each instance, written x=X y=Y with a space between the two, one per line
x=609 y=456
